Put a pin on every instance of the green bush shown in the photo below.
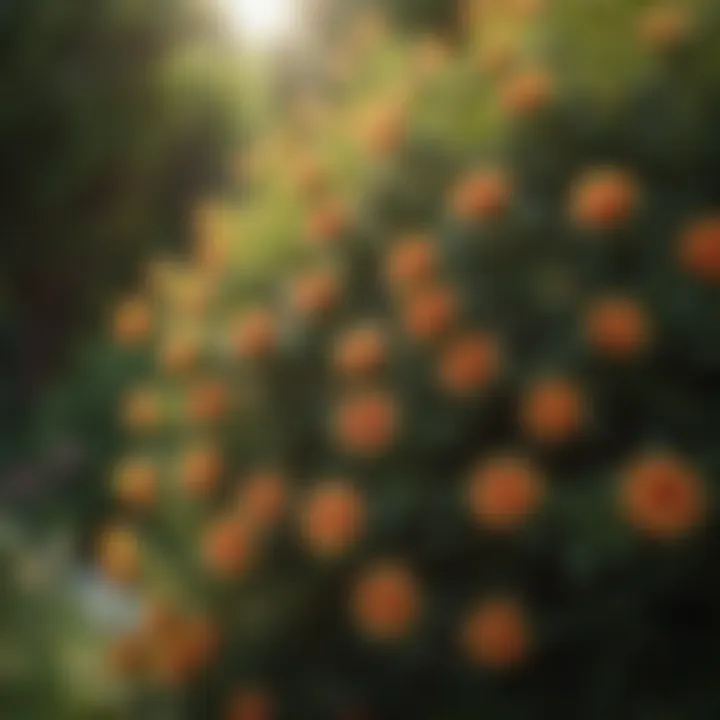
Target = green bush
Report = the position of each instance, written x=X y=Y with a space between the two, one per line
x=497 y=494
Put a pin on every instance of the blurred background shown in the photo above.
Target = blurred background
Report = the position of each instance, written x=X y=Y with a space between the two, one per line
x=203 y=200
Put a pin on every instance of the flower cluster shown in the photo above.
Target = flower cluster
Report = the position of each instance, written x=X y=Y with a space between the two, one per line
x=376 y=455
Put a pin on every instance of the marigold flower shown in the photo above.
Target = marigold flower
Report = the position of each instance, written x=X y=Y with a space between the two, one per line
x=327 y=222
x=386 y=601
x=617 y=328
x=133 y=322
x=142 y=410
x=411 y=262
x=263 y=497
x=482 y=195
x=227 y=548
x=469 y=363
x=181 y=656
x=128 y=655
x=119 y=554
x=527 y=92
x=384 y=129
x=204 y=638
x=208 y=401
x=316 y=292
x=333 y=518
x=360 y=351
x=251 y=704
x=178 y=354
x=662 y=497
x=430 y=312
x=665 y=27
x=604 y=198
x=699 y=250
x=136 y=483
x=554 y=411
x=201 y=470
x=255 y=334
x=496 y=635
x=173 y=661
x=367 y=423
x=161 y=618
x=504 y=492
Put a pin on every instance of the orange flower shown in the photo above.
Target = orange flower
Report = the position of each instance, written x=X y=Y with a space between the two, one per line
x=699 y=250
x=411 y=262
x=203 y=638
x=119 y=554
x=361 y=351
x=178 y=354
x=333 y=518
x=132 y=323
x=142 y=410
x=384 y=129
x=430 y=312
x=251 y=704
x=136 y=483
x=255 y=334
x=128 y=655
x=202 y=468
x=263 y=498
x=227 y=548
x=504 y=492
x=386 y=601
x=208 y=401
x=327 y=222
x=664 y=27
x=316 y=292
x=367 y=423
x=161 y=618
x=604 y=198
x=469 y=363
x=496 y=634
x=482 y=195
x=662 y=497
x=181 y=656
x=527 y=92
x=617 y=328
x=553 y=411
x=173 y=661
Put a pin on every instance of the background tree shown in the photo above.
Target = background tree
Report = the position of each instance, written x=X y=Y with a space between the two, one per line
x=115 y=115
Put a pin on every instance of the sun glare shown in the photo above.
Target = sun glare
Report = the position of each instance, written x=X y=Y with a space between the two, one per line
x=263 y=22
